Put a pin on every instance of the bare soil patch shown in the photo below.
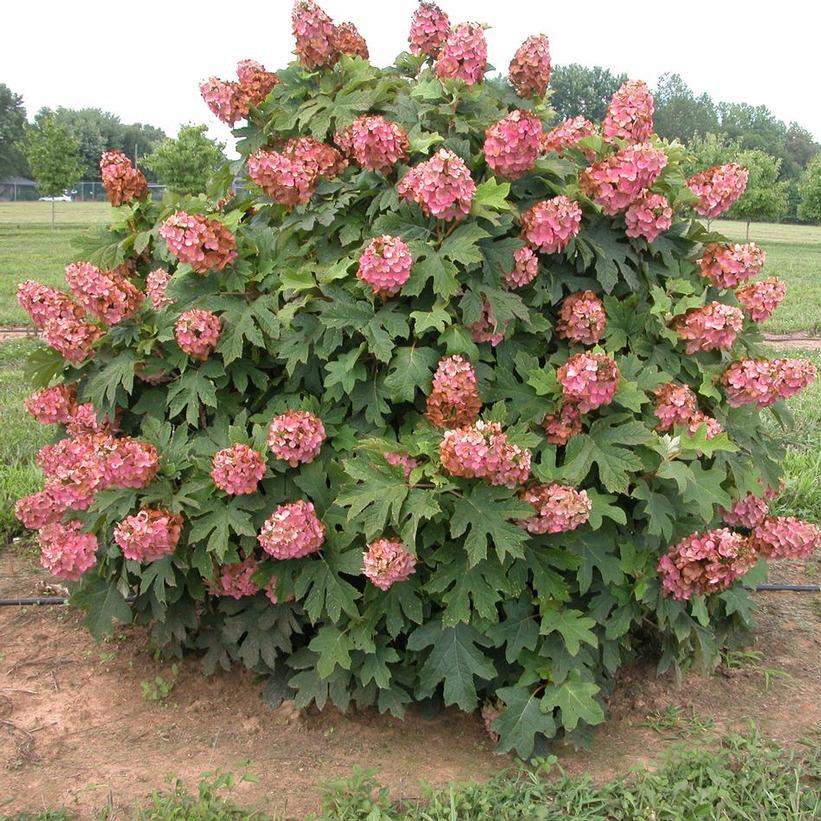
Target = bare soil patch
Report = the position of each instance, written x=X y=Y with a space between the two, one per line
x=76 y=731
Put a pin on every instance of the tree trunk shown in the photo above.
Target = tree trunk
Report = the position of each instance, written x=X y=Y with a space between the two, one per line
x=52 y=213
x=748 y=231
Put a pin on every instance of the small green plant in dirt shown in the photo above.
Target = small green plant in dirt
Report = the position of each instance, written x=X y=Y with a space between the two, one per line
x=741 y=659
x=678 y=722
x=160 y=688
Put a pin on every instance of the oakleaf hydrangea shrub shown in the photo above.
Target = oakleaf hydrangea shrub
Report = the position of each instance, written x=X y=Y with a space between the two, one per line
x=443 y=398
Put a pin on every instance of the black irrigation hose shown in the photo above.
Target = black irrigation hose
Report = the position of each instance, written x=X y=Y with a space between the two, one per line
x=759 y=588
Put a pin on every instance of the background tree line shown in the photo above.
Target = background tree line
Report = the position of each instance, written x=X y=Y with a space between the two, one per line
x=784 y=159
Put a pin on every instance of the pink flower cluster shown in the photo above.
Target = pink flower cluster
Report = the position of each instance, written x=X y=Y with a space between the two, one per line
x=385 y=265
x=559 y=508
x=561 y=426
x=716 y=325
x=513 y=144
x=785 y=537
x=387 y=562
x=760 y=299
x=700 y=418
x=529 y=70
x=630 y=114
x=374 y=142
x=315 y=33
x=155 y=284
x=202 y=242
x=750 y=510
x=83 y=420
x=582 y=318
x=52 y=406
x=349 y=41
x=648 y=216
x=727 y=265
x=441 y=186
x=67 y=552
x=429 y=30
x=566 y=135
x=292 y=531
x=675 y=405
x=762 y=382
x=231 y=100
x=234 y=580
x=550 y=224
x=148 y=535
x=525 y=268
x=616 y=181
x=61 y=321
x=718 y=188
x=486 y=329
x=589 y=380
x=296 y=437
x=122 y=182
x=454 y=398
x=704 y=563
x=407 y=463
x=107 y=295
x=464 y=55
x=237 y=469
x=197 y=332
x=482 y=451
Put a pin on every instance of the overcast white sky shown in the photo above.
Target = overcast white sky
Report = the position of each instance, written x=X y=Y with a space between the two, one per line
x=144 y=60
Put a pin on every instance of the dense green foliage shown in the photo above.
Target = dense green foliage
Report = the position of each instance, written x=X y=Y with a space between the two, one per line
x=809 y=189
x=12 y=132
x=541 y=622
x=185 y=164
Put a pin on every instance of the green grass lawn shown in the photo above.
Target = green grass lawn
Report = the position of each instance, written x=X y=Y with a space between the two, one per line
x=30 y=249
x=794 y=255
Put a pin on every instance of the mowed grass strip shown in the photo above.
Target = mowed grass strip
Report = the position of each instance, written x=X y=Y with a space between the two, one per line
x=30 y=249
x=793 y=255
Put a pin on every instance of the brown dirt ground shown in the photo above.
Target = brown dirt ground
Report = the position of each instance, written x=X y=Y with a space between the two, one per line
x=76 y=732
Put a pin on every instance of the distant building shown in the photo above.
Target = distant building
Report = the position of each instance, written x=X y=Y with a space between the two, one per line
x=13 y=189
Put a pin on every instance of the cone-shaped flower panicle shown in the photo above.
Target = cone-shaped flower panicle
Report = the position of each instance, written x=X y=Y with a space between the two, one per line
x=727 y=265
x=648 y=216
x=760 y=299
x=123 y=183
x=559 y=508
x=315 y=33
x=525 y=268
x=52 y=406
x=286 y=181
x=464 y=55
x=699 y=419
x=560 y=427
x=387 y=562
x=376 y=143
x=155 y=284
x=550 y=224
x=225 y=99
x=197 y=333
x=202 y=242
x=106 y=295
x=235 y=580
x=529 y=70
x=255 y=83
x=454 y=398
x=589 y=380
x=763 y=382
x=617 y=181
x=705 y=563
x=348 y=40
x=40 y=509
x=513 y=145
x=148 y=535
x=482 y=451
x=292 y=531
x=712 y=327
x=237 y=469
x=785 y=537
x=385 y=265
x=675 y=405
x=429 y=30
x=319 y=159
x=296 y=437
x=84 y=420
x=65 y=551
x=582 y=318
x=629 y=116
x=718 y=188
x=566 y=136
x=441 y=186
x=750 y=510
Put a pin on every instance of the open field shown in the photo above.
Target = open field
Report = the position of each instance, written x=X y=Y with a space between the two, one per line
x=29 y=249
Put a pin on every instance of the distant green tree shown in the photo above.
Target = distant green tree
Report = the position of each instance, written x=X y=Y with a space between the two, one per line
x=186 y=163
x=766 y=197
x=799 y=148
x=679 y=113
x=582 y=91
x=54 y=158
x=707 y=150
x=809 y=191
x=12 y=132
x=755 y=127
